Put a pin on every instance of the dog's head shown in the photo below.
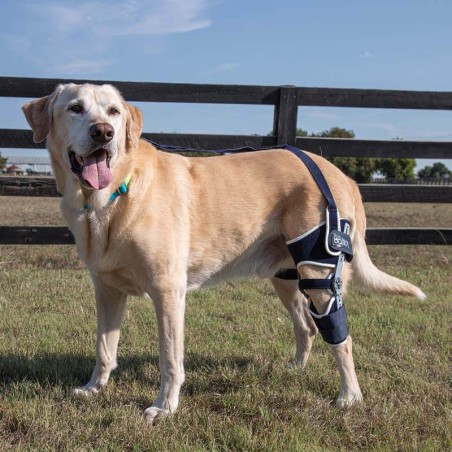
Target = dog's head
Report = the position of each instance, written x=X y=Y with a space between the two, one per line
x=87 y=127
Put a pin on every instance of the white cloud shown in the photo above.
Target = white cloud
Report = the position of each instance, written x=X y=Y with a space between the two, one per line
x=224 y=67
x=85 y=36
x=165 y=17
x=132 y=17
x=83 y=66
x=66 y=18
x=366 y=55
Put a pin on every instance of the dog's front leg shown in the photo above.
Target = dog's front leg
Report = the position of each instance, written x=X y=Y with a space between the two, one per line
x=170 y=309
x=304 y=327
x=111 y=306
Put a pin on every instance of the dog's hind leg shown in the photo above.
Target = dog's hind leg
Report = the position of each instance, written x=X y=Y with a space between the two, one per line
x=169 y=307
x=110 y=304
x=350 y=392
x=303 y=325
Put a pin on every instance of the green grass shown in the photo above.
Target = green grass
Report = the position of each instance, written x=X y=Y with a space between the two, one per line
x=239 y=393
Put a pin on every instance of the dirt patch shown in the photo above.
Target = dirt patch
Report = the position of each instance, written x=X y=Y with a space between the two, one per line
x=396 y=215
x=24 y=211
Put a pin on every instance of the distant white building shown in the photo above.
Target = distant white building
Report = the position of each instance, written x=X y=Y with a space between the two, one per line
x=30 y=165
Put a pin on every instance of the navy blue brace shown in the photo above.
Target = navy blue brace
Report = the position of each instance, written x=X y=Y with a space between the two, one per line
x=310 y=249
x=327 y=245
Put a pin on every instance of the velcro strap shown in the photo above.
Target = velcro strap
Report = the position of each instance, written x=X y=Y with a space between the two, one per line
x=315 y=284
x=287 y=273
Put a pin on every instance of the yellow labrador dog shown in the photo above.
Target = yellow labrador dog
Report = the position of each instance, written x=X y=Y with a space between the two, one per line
x=157 y=225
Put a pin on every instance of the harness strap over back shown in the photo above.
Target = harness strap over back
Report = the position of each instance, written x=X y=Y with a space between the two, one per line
x=332 y=213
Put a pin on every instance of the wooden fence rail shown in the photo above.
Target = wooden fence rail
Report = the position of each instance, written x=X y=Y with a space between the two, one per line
x=286 y=101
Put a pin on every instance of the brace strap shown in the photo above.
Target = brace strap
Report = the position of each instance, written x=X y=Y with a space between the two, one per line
x=315 y=284
x=332 y=213
x=332 y=325
x=287 y=274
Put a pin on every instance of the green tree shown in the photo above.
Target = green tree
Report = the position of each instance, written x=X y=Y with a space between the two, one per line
x=301 y=133
x=358 y=168
x=2 y=162
x=437 y=171
x=399 y=169
x=335 y=132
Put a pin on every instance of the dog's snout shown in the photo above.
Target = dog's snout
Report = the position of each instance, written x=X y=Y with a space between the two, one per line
x=102 y=132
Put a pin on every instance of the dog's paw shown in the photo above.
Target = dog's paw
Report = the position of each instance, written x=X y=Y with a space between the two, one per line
x=299 y=363
x=87 y=390
x=347 y=400
x=153 y=414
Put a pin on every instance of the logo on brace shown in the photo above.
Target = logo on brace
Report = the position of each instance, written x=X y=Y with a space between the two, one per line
x=340 y=241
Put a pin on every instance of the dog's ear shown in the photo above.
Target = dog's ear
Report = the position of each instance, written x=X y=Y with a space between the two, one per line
x=39 y=115
x=134 y=124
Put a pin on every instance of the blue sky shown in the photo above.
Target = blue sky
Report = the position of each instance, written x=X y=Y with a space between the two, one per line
x=397 y=44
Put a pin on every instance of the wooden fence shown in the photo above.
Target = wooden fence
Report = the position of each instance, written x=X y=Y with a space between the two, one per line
x=286 y=101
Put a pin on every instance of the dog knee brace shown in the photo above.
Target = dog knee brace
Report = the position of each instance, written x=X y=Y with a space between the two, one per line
x=327 y=245
x=322 y=248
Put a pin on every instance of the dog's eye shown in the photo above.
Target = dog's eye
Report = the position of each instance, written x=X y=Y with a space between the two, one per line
x=113 y=111
x=76 y=108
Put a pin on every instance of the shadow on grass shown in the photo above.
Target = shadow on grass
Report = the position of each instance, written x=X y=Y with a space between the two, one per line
x=72 y=370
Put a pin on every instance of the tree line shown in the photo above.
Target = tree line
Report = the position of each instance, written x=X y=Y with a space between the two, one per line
x=362 y=169
x=3 y=161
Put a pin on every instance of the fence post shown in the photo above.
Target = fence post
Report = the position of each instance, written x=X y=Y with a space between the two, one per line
x=286 y=112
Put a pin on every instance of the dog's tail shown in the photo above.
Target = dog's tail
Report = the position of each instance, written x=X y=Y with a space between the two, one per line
x=367 y=275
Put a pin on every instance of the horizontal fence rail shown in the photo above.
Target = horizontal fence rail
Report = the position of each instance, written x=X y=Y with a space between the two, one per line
x=346 y=147
x=406 y=193
x=286 y=101
x=329 y=147
x=241 y=94
x=61 y=235
x=151 y=92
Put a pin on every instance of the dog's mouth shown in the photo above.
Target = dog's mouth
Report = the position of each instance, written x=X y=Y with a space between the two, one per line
x=93 y=169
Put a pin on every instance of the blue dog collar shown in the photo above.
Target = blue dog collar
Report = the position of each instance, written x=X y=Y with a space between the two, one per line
x=121 y=190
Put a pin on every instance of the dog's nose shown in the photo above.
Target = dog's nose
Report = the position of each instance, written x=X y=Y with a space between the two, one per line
x=102 y=132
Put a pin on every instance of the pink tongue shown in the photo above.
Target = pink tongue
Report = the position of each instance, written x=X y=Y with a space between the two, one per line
x=95 y=170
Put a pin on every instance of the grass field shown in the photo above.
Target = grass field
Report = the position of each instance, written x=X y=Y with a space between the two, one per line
x=239 y=393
